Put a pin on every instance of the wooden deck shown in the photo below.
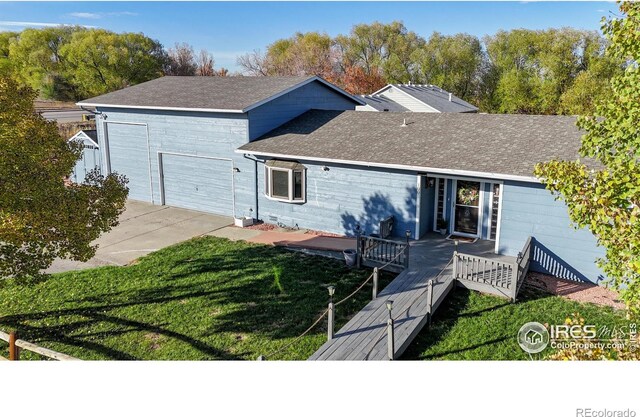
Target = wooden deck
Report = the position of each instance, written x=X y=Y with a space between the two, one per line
x=364 y=337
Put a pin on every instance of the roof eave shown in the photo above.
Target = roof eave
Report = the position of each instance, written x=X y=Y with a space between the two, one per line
x=195 y=109
x=445 y=171
x=244 y=110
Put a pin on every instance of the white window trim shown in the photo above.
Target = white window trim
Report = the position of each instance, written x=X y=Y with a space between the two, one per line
x=268 y=185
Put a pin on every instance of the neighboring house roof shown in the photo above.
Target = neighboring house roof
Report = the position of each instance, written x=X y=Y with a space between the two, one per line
x=212 y=94
x=87 y=134
x=432 y=96
x=502 y=146
x=381 y=103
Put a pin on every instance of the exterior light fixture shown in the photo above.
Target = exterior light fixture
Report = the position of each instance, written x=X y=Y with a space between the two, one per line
x=325 y=168
x=332 y=290
x=389 y=306
x=236 y=169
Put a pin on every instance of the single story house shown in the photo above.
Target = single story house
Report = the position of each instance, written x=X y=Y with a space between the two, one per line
x=292 y=151
x=421 y=98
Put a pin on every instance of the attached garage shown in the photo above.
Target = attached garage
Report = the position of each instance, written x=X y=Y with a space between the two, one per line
x=197 y=182
x=128 y=154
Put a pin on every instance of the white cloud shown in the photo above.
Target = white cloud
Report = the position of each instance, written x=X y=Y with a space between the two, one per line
x=100 y=15
x=83 y=15
x=6 y=25
x=29 y=24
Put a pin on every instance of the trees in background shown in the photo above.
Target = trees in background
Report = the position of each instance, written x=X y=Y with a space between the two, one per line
x=605 y=196
x=42 y=217
x=555 y=71
x=546 y=72
x=71 y=63
x=99 y=61
x=454 y=63
x=181 y=60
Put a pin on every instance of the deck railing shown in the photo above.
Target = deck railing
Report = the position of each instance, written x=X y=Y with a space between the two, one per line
x=523 y=262
x=377 y=252
x=491 y=275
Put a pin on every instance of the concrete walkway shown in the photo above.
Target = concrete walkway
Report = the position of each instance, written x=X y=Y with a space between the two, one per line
x=298 y=239
x=145 y=228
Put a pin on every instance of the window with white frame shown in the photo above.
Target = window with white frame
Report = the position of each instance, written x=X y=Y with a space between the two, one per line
x=284 y=181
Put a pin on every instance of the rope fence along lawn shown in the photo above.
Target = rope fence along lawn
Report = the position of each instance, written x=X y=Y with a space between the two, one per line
x=330 y=310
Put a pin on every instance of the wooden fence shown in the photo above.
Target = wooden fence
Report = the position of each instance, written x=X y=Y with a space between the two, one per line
x=386 y=254
x=15 y=345
x=495 y=276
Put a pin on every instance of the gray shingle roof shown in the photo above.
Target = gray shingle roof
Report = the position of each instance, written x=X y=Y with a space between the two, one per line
x=497 y=144
x=437 y=98
x=383 y=104
x=221 y=93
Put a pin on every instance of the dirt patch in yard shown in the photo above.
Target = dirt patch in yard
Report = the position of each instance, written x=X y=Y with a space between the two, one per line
x=319 y=233
x=262 y=226
x=577 y=291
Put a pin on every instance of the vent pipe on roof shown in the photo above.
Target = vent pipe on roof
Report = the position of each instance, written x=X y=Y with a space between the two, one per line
x=450 y=95
x=404 y=122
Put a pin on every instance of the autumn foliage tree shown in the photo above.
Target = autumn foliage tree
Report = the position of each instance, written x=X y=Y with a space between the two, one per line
x=356 y=81
x=604 y=196
x=42 y=216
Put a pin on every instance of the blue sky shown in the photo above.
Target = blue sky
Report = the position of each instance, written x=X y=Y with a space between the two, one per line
x=229 y=29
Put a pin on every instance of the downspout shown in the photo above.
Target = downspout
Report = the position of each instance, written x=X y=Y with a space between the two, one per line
x=255 y=174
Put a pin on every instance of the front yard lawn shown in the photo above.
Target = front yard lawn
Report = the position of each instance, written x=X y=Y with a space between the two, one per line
x=207 y=298
x=473 y=326
x=210 y=298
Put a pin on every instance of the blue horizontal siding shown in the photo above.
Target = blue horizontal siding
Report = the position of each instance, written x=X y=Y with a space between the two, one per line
x=560 y=250
x=314 y=95
x=193 y=133
x=344 y=196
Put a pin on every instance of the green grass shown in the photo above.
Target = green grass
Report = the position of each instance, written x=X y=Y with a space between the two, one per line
x=473 y=326
x=210 y=298
x=207 y=298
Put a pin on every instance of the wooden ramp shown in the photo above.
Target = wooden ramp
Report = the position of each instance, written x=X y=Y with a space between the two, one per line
x=364 y=337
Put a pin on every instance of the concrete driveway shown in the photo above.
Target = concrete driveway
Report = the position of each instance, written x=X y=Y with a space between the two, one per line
x=145 y=228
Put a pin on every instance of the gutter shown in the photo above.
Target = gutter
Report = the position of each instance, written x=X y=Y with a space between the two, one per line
x=444 y=171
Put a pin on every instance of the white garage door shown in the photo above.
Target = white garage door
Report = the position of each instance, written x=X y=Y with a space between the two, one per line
x=128 y=156
x=198 y=183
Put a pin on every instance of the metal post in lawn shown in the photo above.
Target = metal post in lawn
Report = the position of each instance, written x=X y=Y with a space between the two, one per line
x=390 y=336
x=14 y=353
x=406 y=249
x=331 y=312
x=358 y=247
x=375 y=283
x=429 y=302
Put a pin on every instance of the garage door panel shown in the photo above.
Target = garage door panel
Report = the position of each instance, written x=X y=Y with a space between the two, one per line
x=198 y=183
x=128 y=156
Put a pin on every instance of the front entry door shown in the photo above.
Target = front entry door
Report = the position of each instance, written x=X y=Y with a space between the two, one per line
x=467 y=208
